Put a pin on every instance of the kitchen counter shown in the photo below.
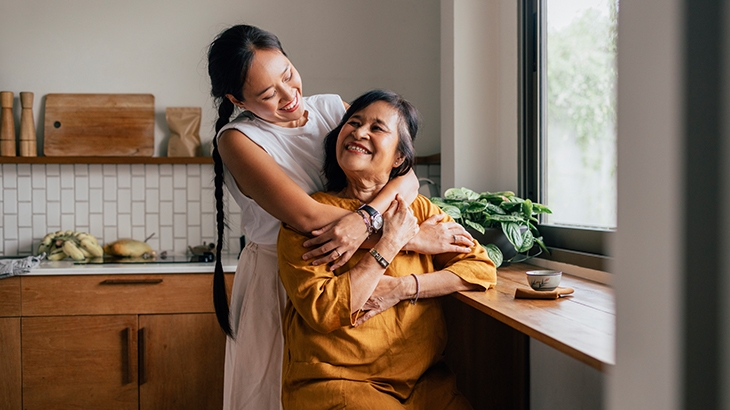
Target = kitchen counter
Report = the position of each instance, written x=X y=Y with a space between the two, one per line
x=70 y=268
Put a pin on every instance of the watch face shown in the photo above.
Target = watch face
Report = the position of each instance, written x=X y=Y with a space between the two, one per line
x=377 y=222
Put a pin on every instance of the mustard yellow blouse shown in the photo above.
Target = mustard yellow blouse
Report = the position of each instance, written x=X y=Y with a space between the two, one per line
x=325 y=356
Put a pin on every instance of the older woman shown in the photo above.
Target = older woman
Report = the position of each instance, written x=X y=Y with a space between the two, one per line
x=370 y=334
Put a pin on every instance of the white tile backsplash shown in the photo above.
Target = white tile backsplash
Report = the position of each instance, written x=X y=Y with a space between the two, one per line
x=111 y=201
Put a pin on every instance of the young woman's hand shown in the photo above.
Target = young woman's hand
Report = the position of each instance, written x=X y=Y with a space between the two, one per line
x=337 y=241
x=435 y=237
x=387 y=294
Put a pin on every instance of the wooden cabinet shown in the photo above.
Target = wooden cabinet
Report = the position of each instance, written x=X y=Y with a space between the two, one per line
x=10 y=376
x=121 y=342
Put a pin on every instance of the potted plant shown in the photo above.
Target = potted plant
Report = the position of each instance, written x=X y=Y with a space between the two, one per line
x=502 y=222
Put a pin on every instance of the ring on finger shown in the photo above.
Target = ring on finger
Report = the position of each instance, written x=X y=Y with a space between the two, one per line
x=338 y=253
x=455 y=239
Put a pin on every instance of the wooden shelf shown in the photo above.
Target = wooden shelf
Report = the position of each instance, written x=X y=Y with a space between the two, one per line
x=106 y=160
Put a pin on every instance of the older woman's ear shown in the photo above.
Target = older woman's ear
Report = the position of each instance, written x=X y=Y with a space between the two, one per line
x=398 y=161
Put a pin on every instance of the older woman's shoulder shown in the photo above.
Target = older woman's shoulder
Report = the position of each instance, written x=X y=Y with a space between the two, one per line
x=332 y=199
x=423 y=207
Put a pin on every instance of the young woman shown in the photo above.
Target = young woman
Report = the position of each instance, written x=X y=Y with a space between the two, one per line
x=270 y=158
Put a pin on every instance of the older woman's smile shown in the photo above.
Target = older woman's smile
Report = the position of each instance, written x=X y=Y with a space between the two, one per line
x=353 y=147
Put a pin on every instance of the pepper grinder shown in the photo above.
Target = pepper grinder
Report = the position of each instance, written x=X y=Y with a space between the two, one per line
x=27 y=126
x=7 y=128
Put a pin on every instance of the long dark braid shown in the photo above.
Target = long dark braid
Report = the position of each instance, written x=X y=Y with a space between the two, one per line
x=229 y=57
x=220 y=296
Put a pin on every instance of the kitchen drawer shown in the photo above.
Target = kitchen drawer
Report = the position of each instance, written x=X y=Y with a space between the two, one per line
x=116 y=294
x=10 y=297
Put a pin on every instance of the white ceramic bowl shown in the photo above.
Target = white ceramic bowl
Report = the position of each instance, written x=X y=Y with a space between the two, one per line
x=544 y=279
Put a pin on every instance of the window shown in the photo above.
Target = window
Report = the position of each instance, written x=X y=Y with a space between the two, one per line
x=569 y=112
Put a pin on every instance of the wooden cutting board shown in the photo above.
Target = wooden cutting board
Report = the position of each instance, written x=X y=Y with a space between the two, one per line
x=106 y=125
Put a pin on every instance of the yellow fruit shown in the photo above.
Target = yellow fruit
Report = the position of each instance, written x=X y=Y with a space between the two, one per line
x=57 y=255
x=129 y=248
x=70 y=248
x=91 y=247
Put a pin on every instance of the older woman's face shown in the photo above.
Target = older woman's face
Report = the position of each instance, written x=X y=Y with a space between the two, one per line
x=367 y=144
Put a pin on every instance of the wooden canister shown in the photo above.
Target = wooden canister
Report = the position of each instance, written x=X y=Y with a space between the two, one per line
x=27 y=126
x=7 y=126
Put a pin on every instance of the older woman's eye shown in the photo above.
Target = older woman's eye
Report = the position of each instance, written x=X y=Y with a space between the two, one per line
x=353 y=123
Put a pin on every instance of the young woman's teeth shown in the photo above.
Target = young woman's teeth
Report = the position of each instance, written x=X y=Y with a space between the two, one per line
x=291 y=105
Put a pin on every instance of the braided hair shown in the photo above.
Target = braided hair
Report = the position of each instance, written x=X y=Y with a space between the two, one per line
x=229 y=58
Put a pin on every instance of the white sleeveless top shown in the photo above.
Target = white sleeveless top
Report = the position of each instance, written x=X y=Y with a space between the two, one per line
x=298 y=151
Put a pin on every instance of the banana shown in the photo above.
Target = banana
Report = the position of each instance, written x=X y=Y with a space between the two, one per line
x=85 y=252
x=91 y=247
x=70 y=248
x=57 y=255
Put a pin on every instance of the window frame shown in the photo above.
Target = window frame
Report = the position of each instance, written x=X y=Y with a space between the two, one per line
x=586 y=247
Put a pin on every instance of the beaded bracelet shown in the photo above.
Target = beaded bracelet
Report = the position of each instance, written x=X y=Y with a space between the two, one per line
x=366 y=219
x=418 y=289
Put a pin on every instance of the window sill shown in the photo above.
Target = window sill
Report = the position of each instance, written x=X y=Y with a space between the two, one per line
x=581 y=325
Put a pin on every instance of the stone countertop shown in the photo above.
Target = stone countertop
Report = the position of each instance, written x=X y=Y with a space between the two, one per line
x=68 y=267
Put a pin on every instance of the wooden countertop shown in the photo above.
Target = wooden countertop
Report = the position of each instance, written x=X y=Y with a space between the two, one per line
x=581 y=325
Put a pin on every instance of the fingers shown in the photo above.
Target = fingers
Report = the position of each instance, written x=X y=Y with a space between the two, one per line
x=459 y=239
x=434 y=219
x=317 y=240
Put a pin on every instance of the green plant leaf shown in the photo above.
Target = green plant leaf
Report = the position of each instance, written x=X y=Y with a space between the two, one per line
x=512 y=206
x=540 y=209
x=527 y=209
x=451 y=211
x=475 y=207
x=505 y=218
x=477 y=227
x=527 y=241
x=494 y=254
x=512 y=232
x=541 y=244
x=494 y=209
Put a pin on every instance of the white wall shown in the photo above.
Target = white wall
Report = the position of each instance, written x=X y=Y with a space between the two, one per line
x=648 y=294
x=159 y=47
x=479 y=144
x=479 y=80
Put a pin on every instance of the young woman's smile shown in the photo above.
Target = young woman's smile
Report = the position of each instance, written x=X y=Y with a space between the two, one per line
x=273 y=90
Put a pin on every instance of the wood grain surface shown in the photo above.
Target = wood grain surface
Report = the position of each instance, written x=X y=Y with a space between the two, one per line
x=10 y=296
x=581 y=325
x=99 y=125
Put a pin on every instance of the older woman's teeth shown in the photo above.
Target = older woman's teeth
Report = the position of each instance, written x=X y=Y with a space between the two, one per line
x=357 y=149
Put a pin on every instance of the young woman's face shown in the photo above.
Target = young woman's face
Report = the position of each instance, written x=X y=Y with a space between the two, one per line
x=273 y=89
x=367 y=145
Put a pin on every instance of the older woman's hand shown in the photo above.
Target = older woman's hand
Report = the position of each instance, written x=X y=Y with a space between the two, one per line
x=387 y=294
x=399 y=224
x=435 y=237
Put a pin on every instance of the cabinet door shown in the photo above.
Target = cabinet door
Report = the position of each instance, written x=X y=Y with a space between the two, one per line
x=181 y=362
x=10 y=376
x=80 y=362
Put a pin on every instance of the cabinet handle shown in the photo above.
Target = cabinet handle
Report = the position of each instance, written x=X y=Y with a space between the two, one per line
x=142 y=356
x=131 y=281
x=127 y=356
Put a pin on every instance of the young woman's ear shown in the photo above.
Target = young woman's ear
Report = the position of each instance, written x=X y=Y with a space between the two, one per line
x=235 y=102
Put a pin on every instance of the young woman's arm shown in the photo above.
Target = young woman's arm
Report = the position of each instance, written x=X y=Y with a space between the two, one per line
x=259 y=177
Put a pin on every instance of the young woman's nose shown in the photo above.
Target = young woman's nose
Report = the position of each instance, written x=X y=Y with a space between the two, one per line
x=287 y=93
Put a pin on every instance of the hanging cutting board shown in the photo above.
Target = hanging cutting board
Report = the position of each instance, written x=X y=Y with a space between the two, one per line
x=106 y=125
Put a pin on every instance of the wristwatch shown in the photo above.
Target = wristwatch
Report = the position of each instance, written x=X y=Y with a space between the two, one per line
x=376 y=220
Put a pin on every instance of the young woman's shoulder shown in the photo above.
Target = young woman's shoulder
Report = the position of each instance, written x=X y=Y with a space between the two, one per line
x=329 y=106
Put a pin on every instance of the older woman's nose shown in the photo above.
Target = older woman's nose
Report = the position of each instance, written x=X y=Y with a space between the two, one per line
x=360 y=132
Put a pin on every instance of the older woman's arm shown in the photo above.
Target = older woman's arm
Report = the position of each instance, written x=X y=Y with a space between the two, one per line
x=326 y=299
